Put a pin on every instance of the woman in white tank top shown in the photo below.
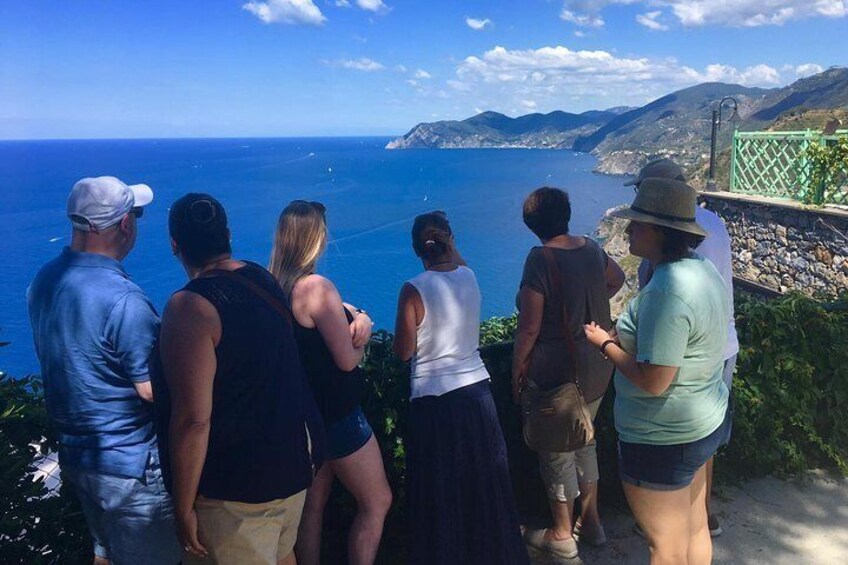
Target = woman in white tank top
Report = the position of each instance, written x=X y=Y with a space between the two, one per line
x=455 y=454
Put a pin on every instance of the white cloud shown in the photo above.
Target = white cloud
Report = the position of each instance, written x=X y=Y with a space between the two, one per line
x=342 y=4
x=753 y=13
x=422 y=74
x=734 y=13
x=286 y=12
x=372 y=5
x=477 y=24
x=503 y=65
x=758 y=75
x=529 y=104
x=582 y=20
x=649 y=20
x=579 y=33
x=549 y=76
x=362 y=64
x=808 y=69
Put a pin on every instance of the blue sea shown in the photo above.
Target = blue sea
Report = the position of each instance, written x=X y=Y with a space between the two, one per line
x=371 y=194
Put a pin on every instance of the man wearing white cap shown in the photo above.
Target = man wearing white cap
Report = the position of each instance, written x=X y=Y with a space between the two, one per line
x=716 y=248
x=94 y=330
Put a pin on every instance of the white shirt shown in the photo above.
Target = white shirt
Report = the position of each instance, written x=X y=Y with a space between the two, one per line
x=448 y=339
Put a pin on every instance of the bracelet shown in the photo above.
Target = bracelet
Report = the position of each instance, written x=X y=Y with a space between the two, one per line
x=360 y=311
x=603 y=347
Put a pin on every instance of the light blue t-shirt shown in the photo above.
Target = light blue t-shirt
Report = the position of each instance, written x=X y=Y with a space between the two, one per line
x=680 y=320
x=94 y=330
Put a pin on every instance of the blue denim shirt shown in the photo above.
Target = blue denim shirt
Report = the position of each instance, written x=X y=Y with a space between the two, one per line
x=94 y=330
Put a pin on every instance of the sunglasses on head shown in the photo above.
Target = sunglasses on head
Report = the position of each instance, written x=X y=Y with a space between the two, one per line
x=317 y=205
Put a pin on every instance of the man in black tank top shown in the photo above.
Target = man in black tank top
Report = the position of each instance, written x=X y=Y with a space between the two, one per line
x=240 y=433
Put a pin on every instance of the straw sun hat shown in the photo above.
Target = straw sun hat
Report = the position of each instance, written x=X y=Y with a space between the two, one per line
x=664 y=202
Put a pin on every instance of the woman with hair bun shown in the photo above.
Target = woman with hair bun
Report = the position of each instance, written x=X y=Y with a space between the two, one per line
x=459 y=493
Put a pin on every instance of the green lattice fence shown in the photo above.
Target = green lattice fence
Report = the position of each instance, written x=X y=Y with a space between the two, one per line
x=773 y=164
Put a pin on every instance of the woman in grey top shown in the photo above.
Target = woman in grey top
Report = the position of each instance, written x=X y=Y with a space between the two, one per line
x=541 y=357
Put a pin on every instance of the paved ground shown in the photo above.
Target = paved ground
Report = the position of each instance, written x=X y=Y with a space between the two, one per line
x=766 y=521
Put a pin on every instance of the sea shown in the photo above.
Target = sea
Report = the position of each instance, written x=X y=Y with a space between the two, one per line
x=372 y=196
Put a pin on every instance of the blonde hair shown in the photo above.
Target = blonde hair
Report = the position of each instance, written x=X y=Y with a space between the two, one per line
x=299 y=242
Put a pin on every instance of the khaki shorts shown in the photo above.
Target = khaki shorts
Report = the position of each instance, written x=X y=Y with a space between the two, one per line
x=562 y=473
x=237 y=533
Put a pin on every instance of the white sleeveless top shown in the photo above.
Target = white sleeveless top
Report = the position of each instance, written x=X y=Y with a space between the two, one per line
x=447 y=356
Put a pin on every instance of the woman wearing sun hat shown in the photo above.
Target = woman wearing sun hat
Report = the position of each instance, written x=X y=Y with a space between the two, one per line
x=671 y=401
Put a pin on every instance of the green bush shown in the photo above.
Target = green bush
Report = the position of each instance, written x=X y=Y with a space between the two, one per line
x=35 y=526
x=791 y=388
x=827 y=164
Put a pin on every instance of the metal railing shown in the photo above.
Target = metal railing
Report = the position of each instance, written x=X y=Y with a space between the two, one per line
x=775 y=164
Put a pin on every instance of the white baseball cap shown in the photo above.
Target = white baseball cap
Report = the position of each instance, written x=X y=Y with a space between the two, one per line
x=95 y=204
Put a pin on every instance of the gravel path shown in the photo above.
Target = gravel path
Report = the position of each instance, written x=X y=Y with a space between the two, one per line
x=766 y=521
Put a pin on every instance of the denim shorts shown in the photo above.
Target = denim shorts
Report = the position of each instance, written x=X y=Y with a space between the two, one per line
x=130 y=520
x=668 y=467
x=348 y=435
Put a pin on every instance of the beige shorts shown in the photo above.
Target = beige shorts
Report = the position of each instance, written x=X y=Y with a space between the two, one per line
x=237 y=533
x=562 y=473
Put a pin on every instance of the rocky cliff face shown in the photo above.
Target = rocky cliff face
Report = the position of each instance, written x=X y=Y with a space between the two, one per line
x=436 y=136
x=621 y=162
x=610 y=233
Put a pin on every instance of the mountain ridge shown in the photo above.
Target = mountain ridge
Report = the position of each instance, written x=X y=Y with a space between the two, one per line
x=677 y=124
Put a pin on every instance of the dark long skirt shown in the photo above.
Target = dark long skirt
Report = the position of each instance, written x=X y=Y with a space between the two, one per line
x=459 y=495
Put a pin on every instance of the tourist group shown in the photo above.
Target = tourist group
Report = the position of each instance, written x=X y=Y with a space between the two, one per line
x=216 y=434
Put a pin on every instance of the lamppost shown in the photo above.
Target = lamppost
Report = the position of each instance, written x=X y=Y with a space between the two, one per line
x=711 y=186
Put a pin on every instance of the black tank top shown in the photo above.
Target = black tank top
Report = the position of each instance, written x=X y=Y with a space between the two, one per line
x=261 y=401
x=337 y=392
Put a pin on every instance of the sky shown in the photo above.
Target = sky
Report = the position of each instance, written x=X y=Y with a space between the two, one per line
x=234 y=68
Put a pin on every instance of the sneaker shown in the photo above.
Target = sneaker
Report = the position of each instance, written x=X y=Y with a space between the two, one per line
x=563 y=548
x=715 y=527
x=599 y=539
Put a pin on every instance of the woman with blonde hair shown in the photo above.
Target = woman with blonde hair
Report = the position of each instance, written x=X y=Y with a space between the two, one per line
x=331 y=338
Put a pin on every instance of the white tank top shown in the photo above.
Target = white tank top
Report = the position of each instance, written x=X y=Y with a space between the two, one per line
x=447 y=356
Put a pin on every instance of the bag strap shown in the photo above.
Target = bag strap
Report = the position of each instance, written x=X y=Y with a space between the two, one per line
x=269 y=298
x=557 y=294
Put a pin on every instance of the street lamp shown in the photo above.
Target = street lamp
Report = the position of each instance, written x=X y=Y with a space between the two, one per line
x=711 y=186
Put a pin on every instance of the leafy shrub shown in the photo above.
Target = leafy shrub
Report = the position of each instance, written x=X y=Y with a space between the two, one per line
x=35 y=526
x=827 y=164
x=791 y=388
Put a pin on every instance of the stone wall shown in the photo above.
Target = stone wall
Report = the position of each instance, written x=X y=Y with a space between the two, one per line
x=784 y=245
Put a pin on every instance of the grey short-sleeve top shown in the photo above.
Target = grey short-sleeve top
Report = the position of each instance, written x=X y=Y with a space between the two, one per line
x=583 y=274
